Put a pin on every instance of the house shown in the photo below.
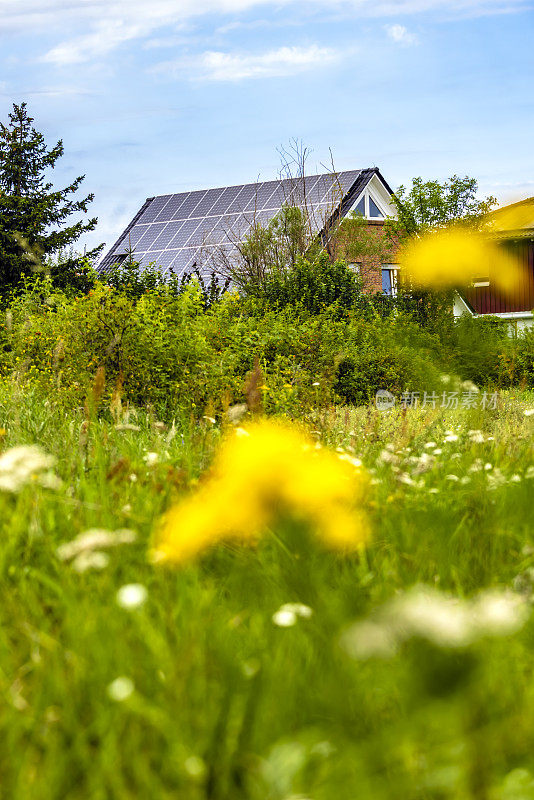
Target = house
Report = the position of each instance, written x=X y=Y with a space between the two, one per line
x=513 y=227
x=193 y=230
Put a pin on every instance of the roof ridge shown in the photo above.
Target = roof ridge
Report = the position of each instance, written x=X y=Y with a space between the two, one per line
x=271 y=180
x=511 y=205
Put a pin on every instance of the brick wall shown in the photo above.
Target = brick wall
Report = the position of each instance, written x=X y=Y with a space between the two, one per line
x=371 y=273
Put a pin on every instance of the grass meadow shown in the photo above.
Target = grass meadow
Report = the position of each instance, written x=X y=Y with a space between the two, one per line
x=401 y=670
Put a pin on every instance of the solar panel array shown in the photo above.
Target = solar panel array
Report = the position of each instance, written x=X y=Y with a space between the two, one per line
x=178 y=232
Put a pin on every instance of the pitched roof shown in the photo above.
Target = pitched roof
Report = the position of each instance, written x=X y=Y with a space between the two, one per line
x=515 y=220
x=180 y=231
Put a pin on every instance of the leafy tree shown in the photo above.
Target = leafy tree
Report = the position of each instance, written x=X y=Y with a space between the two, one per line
x=32 y=213
x=430 y=204
x=267 y=249
x=312 y=284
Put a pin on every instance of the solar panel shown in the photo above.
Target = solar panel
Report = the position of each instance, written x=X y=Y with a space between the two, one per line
x=177 y=230
x=207 y=202
x=154 y=208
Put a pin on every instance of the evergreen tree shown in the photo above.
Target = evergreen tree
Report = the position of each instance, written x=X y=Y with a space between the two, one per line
x=32 y=213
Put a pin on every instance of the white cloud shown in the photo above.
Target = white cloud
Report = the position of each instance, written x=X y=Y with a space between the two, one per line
x=89 y=29
x=165 y=42
x=103 y=40
x=219 y=66
x=401 y=35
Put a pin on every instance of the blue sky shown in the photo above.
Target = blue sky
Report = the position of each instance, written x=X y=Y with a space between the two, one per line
x=172 y=95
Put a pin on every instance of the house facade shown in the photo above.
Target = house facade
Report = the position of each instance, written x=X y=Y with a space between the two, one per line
x=513 y=227
x=179 y=233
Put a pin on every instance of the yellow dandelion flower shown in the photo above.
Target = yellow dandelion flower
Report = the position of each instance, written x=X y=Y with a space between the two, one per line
x=454 y=257
x=261 y=473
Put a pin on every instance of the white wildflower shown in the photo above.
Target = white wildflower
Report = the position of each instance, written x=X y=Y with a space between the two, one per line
x=437 y=452
x=299 y=609
x=477 y=437
x=350 y=459
x=433 y=491
x=133 y=478
x=131 y=595
x=528 y=412
x=496 y=479
x=465 y=480
x=451 y=437
x=284 y=619
x=195 y=767
x=424 y=463
x=430 y=445
x=90 y=559
x=151 y=459
x=529 y=474
x=441 y=619
x=236 y=413
x=49 y=480
x=287 y=614
x=23 y=465
x=476 y=466
x=387 y=457
x=121 y=689
x=171 y=434
x=94 y=539
x=425 y=612
x=469 y=386
x=369 y=639
x=316 y=383
x=403 y=477
x=515 y=479
x=498 y=613
x=452 y=477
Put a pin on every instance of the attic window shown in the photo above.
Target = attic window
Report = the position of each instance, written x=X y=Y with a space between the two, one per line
x=374 y=211
x=360 y=208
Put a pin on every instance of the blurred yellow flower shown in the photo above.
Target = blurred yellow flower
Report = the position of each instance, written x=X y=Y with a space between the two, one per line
x=260 y=473
x=455 y=257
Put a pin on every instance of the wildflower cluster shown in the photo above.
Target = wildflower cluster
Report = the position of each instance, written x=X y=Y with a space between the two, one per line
x=86 y=551
x=25 y=465
x=263 y=472
x=444 y=621
x=422 y=470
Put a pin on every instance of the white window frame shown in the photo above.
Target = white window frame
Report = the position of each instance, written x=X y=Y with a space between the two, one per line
x=394 y=277
x=367 y=214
